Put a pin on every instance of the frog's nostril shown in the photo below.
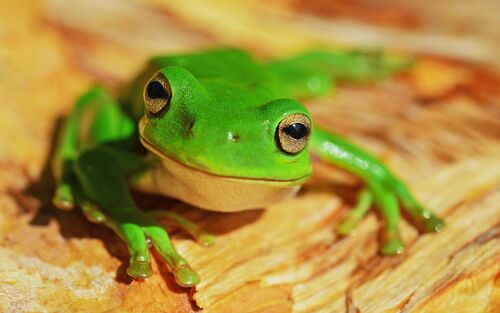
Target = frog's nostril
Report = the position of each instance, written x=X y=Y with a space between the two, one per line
x=296 y=130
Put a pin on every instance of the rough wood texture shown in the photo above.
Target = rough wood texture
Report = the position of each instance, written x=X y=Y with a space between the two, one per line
x=438 y=127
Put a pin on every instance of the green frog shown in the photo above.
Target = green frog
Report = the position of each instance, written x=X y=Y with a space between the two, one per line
x=223 y=132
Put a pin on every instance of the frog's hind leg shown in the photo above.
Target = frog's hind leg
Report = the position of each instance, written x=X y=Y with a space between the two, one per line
x=313 y=74
x=104 y=183
x=424 y=219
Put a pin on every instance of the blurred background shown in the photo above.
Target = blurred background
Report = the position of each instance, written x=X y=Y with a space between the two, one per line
x=457 y=29
x=437 y=126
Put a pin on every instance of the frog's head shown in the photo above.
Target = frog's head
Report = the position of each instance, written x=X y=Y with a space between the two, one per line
x=222 y=139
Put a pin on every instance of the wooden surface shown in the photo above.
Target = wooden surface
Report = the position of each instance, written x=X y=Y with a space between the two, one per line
x=438 y=127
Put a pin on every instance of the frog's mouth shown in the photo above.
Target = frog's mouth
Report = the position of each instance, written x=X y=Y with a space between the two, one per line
x=165 y=157
x=151 y=147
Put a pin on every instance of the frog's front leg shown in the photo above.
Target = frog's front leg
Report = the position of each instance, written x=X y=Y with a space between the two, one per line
x=387 y=190
x=103 y=182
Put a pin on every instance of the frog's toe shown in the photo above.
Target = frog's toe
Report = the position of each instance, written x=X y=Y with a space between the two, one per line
x=347 y=226
x=63 y=198
x=139 y=269
x=205 y=239
x=92 y=213
x=392 y=246
x=432 y=224
x=185 y=276
x=96 y=217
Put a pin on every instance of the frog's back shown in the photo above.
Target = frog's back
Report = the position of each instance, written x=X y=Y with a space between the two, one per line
x=229 y=65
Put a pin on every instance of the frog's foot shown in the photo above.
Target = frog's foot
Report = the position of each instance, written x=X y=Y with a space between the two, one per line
x=202 y=237
x=423 y=218
x=140 y=267
x=389 y=197
x=63 y=198
x=184 y=275
x=136 y=228
x=347 y=226
x=391 y=243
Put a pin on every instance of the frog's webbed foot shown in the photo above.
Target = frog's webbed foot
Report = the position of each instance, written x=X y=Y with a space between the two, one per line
x=429 y=224
x=389 y=195
x=203 y=238
x=184 y=275
x=139 y=267
x=138 y=229
x=424 y=219
x=391 y=243
x=392 y=194
x=426 y=222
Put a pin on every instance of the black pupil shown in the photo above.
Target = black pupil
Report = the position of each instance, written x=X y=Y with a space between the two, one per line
x=155 y=90
x=296 y=130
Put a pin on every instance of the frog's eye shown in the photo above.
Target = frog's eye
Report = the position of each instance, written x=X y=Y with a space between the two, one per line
x=292 y=133
x=157 y=94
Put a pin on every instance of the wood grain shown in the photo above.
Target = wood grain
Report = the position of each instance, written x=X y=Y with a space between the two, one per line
x=438 y=127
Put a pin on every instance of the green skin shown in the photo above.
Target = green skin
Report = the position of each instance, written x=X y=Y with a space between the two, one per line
x=213 y=95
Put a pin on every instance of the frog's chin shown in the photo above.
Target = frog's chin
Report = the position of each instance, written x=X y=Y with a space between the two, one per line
x=214 y=192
